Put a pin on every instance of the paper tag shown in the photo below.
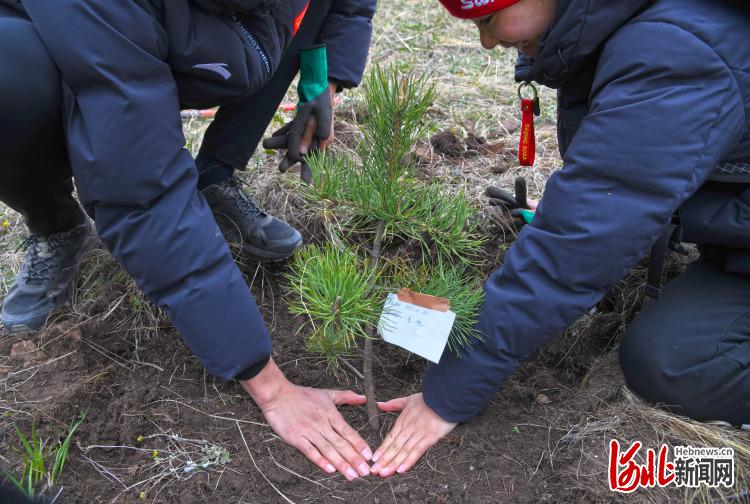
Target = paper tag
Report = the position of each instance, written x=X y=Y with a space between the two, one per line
x=420 y=330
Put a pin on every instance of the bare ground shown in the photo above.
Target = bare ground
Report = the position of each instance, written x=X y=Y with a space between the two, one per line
x=155 y=416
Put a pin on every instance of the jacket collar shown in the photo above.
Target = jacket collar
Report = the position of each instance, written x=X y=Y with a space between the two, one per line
x=578 y=30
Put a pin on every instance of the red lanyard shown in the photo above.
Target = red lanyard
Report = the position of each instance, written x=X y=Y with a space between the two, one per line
x=529 y=109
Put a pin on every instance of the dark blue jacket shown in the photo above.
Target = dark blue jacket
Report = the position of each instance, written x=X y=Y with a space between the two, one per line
x=127 y=66
x=652 y=95
x=346 y=31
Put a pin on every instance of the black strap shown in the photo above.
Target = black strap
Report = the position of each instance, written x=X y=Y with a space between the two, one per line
x=658 y=255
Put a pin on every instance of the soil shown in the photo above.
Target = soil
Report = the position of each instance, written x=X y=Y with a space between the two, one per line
x=140 y=389
x=448 y=144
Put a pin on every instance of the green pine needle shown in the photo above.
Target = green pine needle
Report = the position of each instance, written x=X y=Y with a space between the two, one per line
x=379 y=190
x=331 y=287
x=465 y=293
x=382 y=186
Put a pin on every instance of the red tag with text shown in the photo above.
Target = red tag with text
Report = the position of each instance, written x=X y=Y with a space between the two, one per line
x=527 y=144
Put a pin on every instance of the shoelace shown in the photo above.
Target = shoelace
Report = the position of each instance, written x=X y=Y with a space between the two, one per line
x=242 y=200
x=42 y=257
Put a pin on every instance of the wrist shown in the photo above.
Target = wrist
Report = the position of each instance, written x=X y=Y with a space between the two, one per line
x=334 y=87
x=266 y=385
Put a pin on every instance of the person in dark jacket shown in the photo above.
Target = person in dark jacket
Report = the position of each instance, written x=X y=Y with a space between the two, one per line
x=652 y=96
x=94 y=89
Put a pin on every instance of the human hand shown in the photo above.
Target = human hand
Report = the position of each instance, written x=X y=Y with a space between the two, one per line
x=311 y=129
x=417 y=429
x=307 y=419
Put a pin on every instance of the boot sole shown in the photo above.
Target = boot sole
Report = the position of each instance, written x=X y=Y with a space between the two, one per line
x=264 y=255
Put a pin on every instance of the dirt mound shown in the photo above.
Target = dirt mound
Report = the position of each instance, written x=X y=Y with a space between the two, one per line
x=447 y=143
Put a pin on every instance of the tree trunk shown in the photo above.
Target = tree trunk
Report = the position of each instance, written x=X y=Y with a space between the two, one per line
x=372 y=409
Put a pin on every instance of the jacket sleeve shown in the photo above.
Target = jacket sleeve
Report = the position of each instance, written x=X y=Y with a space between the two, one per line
x=127 y=152
x=659 y=121
x=347 y=31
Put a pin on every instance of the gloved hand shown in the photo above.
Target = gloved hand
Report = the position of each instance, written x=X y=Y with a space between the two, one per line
x=517 y=205
x=290 y=136
x=305 y=173
x=315 y=109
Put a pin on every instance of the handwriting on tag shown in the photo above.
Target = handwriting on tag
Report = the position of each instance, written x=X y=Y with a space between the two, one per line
x=420 y=330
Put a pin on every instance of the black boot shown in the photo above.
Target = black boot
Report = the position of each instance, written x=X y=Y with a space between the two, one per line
x=260 y=236
x=46 y=277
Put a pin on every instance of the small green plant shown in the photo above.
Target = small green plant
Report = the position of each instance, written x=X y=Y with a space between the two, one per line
x=42 y=465
x=387 y=229
x=337 y=294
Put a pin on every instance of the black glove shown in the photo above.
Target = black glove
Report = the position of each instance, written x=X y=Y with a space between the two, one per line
x=517 y=204
x=305 y=173
x=290 y=135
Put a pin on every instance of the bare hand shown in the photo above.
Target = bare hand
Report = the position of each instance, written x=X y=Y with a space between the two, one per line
x=307 y=419
x=417 y=429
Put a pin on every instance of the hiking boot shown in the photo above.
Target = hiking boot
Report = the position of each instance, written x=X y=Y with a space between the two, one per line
x=46 y=277
x=259 y=235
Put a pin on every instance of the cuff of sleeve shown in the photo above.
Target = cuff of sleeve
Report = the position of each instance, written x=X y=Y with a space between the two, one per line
x=459 y=388
x=436 y=399
x=342 y=82
x=253 y=370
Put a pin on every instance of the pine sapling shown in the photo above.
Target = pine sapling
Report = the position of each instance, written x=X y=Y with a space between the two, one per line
x=374 y=209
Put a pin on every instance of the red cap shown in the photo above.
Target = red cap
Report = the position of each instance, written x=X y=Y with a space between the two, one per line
x=469 y=9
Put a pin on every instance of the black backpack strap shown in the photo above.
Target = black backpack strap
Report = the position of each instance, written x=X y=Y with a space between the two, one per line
x=672 y=233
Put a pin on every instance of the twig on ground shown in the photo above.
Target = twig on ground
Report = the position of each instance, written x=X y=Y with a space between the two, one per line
x=290 y=501
x=41 y=365
x=219 y=417
x=285 y=468
x=351 y=368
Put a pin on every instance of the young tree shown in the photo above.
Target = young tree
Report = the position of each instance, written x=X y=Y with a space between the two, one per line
x=387 y=229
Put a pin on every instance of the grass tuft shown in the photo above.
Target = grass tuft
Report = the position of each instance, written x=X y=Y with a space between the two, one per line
x=42 y=464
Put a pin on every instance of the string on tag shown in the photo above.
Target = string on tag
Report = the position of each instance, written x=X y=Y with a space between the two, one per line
x=529 y=109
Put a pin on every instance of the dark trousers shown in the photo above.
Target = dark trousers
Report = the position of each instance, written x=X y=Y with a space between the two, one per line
x=35 y=172
x=238 y=127
x=690 y=350
x=34 y=169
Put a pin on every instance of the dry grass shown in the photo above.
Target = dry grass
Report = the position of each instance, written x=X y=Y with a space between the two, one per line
x=477 y=97
x=615 y=412
x=159 y=460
